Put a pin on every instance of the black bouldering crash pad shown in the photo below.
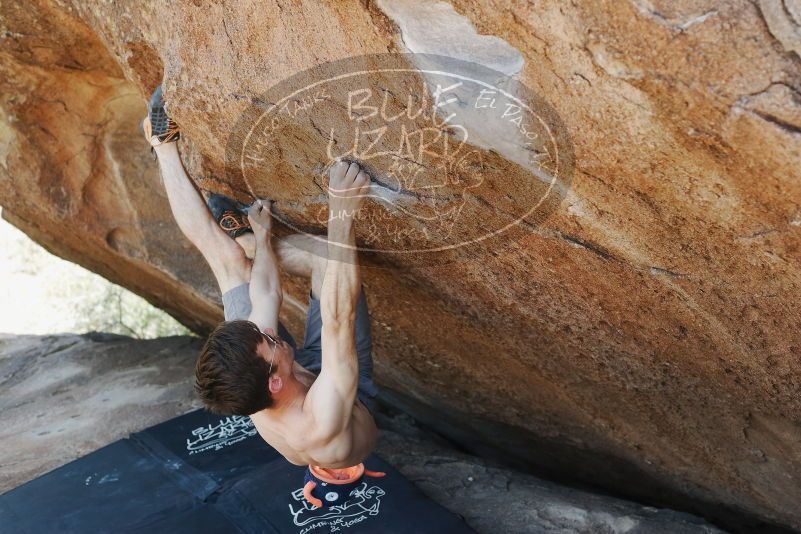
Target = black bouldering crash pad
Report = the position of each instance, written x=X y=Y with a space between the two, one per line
x=206 y=473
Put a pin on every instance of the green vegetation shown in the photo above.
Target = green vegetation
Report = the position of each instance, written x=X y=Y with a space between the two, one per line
x=43 y=294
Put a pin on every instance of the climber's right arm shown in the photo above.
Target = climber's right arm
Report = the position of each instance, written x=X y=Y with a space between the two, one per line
x=265 y=279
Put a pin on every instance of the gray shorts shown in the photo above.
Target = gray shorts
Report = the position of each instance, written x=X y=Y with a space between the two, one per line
x=236 y=304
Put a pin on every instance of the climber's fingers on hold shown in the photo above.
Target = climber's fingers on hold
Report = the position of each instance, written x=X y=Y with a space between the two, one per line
x=259 y=213
x=338 y=171
x=353 y=171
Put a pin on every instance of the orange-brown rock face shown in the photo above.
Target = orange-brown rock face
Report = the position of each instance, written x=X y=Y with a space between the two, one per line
x=638 y=329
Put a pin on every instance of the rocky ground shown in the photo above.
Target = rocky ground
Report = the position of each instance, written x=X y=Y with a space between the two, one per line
x=67 y=395
x=493 y=499
x=64 y=396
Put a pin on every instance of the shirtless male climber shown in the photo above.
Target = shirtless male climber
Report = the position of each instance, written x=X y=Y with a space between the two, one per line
x=311 y=403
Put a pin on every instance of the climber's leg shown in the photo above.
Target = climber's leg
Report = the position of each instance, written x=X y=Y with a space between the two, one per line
x=231 y=216
x=248 y=243
x=299 y=254
x=220 y=230
x=304 y=255
x=226 y=258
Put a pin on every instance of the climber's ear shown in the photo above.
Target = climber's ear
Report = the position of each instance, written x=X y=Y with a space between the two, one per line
x=275 y=383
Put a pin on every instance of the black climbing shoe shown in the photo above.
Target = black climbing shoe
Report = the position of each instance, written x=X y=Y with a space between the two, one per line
x=158 y=127
x=230 y=214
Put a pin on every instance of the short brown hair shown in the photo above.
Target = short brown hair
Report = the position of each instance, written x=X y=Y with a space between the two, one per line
x=230 y=376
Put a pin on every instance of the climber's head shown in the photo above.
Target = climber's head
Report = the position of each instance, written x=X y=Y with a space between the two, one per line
x=242 y=370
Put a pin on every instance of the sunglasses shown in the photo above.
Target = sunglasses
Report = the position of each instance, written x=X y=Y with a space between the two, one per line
x=273 y=341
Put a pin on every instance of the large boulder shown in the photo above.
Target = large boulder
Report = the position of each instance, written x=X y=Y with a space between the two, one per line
x=639 y=331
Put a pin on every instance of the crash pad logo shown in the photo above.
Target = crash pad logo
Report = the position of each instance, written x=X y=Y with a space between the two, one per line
x=226 y=432
x=460 y=155
x=364 y=502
